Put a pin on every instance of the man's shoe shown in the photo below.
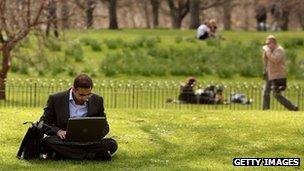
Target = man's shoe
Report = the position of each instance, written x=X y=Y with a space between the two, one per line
x=296 y=108
x=104 y=156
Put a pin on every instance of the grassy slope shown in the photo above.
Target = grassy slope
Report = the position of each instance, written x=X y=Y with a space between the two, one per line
x=93 y=59
x=172 y=139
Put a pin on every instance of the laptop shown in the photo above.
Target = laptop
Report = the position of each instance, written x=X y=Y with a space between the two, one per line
x=85 y=129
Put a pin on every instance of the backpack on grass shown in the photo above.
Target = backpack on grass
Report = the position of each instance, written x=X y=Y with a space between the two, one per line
x=31 y=145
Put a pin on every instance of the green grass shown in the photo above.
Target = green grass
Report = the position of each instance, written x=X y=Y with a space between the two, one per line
x=172 y=139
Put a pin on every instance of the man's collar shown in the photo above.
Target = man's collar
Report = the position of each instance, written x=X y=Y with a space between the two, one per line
x=71 y=99
x=71 y=95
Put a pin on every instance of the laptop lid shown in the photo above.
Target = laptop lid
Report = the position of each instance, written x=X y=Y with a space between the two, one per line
x=85 y=129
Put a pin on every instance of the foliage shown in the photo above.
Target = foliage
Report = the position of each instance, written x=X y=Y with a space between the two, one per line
x=293 y=42
x=160 y=53
x=53 y=44
x=74 y=50
x=225 y=61
x=95 y=45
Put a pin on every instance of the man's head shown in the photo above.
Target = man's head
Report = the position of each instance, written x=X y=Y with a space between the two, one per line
x=191 y=81
x=212 y=22
x=82 y=88
x=271 y=42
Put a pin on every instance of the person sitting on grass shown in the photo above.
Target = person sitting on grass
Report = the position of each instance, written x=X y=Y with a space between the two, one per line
x=187 y=94
x=78 y=101
x=203 y=31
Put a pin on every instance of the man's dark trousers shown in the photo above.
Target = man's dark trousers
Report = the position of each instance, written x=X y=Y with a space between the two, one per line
x=70 y=150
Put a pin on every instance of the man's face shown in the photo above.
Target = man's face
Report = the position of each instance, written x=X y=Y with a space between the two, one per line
x=82 y=94
x=270 y=44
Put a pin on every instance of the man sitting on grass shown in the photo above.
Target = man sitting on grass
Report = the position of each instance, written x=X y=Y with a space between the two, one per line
x=78 y=101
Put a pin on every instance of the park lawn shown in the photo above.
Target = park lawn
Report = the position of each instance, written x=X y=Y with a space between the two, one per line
x=172 y=139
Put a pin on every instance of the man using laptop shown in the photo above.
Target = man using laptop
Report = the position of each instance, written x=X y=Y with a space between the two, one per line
x=76 y=102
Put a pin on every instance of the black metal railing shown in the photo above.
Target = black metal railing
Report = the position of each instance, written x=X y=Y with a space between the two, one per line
x=142 y=94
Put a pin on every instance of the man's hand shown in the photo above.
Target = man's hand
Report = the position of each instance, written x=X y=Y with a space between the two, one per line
x=61 y=134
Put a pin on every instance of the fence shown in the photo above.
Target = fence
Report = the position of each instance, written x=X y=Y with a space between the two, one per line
x=141 y=94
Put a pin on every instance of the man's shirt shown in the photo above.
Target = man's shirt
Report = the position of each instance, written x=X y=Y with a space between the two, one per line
x=77 y=110
x=201 y=30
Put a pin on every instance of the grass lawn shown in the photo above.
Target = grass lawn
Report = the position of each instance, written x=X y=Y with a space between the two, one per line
x=172 y=139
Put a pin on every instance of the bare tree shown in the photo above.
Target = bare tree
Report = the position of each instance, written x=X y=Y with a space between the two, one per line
x=113 y=14
x=282 y=9
x=112 y=9
x=301 y=18
x=178 y=12
x=65 y=10
x=145 y=9
x=17 y=19
x=196 y=6
x=194 y=13
x=227 y=11
x=88 y=6
x=155 y=11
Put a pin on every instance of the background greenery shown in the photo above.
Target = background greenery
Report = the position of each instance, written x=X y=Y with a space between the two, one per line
x=151 y=53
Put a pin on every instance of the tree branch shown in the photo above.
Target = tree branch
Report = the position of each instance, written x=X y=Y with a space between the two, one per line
x=185 y=9
x=28 y=13
x=213 y=4
x=79 y=4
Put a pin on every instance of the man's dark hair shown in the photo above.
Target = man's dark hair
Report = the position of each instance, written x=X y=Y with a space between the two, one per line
x=83 y=81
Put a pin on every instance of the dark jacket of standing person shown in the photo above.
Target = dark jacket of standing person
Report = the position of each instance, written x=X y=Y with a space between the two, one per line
x=261 y=17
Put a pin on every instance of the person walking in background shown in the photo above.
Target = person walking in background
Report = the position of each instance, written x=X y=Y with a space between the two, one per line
x=275 y=73
x=276 y=16
x=52 y=18
x=261 y=17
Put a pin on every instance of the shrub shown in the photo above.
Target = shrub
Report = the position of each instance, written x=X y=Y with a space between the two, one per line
x=299 y=69
x=114 y=43
x=86 y=41
x=178 y=39
x=75 y=51
x=293 y=42
x=191 y=39
x=53 y=45
x=225 y=73
x=213 y=42
x=95 y=45
x=291 y=58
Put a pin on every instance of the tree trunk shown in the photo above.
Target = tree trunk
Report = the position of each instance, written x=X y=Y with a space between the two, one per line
x=5 y=69
x=194 y=13
x=177 y=23
x=146 y=12
x=89 y=13
x=112 y=13
x=2 y=86
x=178 y=13
x=65 y=15
x=285 y=20
x=155 y=11
x=227 y=8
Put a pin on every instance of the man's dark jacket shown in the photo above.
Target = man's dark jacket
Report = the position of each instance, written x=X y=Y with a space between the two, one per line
x=56 y=113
